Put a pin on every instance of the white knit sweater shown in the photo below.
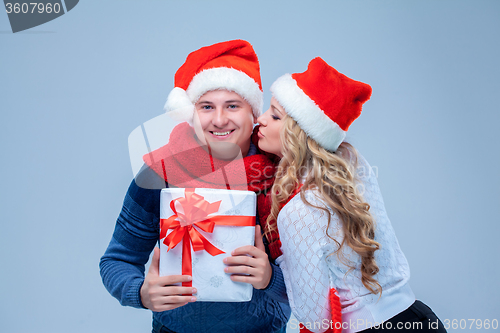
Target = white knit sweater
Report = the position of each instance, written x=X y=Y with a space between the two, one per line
x=310 y=266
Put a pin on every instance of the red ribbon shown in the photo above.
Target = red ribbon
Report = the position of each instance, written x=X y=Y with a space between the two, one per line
x=194 y=211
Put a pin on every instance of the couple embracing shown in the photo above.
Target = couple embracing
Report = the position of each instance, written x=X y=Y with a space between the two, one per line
x=325 y=248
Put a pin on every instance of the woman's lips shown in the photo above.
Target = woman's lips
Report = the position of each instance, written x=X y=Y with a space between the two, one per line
x=259 y=134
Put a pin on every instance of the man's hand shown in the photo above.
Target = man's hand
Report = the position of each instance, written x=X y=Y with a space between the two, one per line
x=158 y=292
x=249 y=264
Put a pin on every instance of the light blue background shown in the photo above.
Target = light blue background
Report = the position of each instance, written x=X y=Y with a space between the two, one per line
x=73 y=89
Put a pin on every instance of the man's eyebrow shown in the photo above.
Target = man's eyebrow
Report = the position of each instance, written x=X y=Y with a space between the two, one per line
x=204 y=102
x=234 y=101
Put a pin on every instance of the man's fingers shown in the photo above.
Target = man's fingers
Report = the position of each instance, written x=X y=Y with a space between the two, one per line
x=173 y=279
x=173 y=299
x=248 y=249
x=258 y=239
x=177 y=291
x=240 y=260
x=246 y=270
x=162 y=293
x=172 y=302
x=250 y=264
x=243 y=278
x=154 y=268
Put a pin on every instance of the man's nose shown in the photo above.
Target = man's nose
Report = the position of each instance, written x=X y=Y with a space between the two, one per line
x=220 y=118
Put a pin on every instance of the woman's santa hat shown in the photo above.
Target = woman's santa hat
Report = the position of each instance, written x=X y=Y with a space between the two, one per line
x=231 y=65
x=322 y=101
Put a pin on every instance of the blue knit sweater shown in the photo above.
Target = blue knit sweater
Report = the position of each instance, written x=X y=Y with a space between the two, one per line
x=123 y=264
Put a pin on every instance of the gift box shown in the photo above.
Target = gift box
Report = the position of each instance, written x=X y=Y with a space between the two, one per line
x=198 y=229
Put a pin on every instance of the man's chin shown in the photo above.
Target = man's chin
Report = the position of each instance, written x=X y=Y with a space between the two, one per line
x=225 y=150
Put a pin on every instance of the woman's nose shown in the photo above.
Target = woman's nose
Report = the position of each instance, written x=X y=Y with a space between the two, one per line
x=262 y=119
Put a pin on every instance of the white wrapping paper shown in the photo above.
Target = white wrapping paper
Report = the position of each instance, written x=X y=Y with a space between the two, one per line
x=209 y=278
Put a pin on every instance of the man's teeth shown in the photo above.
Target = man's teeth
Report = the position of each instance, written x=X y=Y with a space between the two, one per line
x=221 y=133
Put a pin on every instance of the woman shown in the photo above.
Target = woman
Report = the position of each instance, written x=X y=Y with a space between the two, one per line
x=336 y=246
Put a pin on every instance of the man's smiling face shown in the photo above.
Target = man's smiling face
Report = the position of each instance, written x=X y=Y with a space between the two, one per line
x=224 y=116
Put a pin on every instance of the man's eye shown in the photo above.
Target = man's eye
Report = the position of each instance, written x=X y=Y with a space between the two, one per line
x=232 y=106
x=206 y=107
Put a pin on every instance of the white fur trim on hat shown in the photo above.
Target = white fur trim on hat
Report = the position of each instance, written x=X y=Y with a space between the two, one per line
x=307 y=113
x=230 y=79
x=178 y=105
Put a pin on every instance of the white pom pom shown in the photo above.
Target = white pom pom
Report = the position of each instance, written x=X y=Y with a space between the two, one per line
x=179 y=106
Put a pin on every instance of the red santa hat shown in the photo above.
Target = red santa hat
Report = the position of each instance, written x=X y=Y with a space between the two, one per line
x=322 y=101
x=231 y=65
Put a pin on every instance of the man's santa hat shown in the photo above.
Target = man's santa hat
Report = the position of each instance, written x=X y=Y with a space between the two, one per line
x=322 y=101
x=231 y=65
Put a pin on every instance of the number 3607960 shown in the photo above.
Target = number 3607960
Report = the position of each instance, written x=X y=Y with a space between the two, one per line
x=470 y=324
x=32 y=7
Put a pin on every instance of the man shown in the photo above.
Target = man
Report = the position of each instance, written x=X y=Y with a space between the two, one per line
x=218 y=92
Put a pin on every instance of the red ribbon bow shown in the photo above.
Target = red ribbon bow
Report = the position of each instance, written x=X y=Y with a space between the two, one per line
x=195 y=212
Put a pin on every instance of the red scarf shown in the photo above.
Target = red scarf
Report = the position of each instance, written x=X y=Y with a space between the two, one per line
x=184 y=163
x=264 y=209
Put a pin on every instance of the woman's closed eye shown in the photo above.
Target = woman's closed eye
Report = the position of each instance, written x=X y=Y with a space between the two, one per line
x=275 y=117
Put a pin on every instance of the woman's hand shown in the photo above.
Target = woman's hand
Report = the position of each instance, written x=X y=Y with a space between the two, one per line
x=250 y=264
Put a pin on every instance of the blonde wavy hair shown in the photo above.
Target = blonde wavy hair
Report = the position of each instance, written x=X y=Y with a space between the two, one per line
x=333 y=176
